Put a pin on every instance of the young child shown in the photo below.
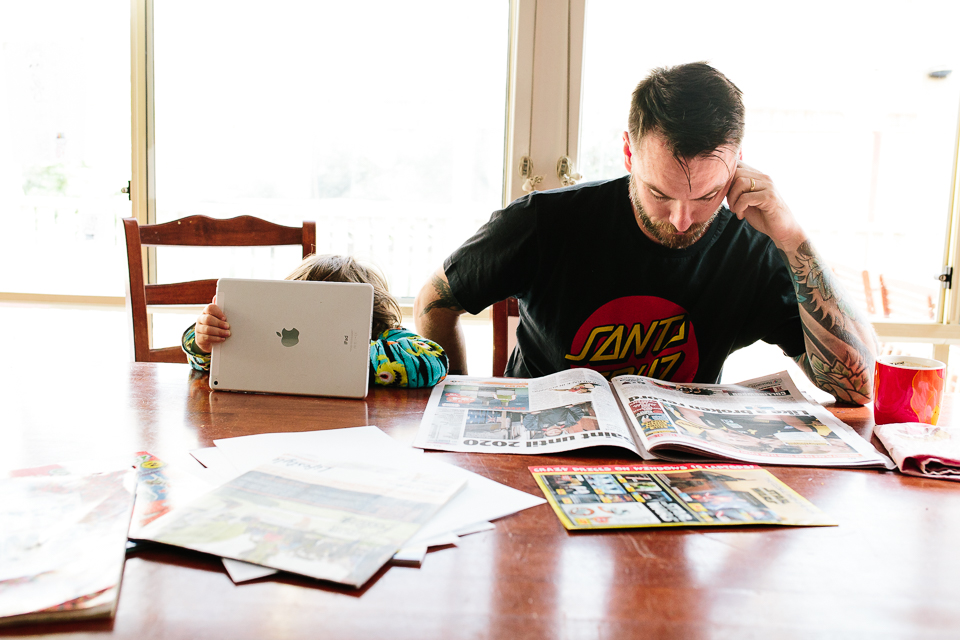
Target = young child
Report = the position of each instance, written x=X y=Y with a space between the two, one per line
x=398 y=357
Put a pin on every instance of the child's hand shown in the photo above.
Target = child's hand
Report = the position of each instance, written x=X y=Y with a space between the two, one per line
x=212 y=327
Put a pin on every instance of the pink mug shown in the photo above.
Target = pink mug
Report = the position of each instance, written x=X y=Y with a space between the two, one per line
x=907 y=389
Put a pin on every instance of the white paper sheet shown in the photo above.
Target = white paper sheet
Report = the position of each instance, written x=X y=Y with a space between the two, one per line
x=442 y=540
x=214 y=467
x=248 y=452
x=482 y=499
x=411 y=555
x=477 y=527
x=240 y=571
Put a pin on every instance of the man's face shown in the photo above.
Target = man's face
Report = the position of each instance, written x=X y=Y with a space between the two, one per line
x=672 y=208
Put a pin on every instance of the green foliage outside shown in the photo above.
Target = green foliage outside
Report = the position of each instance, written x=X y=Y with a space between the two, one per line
x=45 y=181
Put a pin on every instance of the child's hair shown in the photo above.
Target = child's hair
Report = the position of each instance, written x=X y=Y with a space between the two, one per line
x=331 y=268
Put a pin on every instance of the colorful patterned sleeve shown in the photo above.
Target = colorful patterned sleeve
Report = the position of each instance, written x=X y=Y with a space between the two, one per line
x=401 y=358
x=197 y=359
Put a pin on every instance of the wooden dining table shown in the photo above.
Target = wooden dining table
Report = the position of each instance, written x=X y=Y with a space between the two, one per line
x=891 y=569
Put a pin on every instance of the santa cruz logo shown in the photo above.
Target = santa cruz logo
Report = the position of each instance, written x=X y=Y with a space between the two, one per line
x=641 y=335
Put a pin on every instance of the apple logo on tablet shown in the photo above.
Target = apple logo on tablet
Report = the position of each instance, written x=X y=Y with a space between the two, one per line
x=289 y=338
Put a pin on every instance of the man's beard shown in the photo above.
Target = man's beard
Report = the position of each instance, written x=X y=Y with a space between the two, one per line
x=664 y=232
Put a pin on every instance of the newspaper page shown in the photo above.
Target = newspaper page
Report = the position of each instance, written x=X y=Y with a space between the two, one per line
x=323 y=519
x=707 y=495
x=766 y=420
x=560 y=412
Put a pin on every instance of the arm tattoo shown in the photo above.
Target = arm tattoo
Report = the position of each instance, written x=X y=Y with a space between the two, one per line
x=445 y=299
x=837 y=360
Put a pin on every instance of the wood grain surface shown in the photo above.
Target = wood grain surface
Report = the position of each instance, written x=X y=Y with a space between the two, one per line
x=890 y=570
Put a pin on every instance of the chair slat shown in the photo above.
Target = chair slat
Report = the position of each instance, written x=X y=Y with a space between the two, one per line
x=196 y=292
x=168 y=354
x=500 y=315
x=242 y=231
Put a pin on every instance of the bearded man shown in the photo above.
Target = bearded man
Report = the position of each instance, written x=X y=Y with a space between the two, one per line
x=664 y=272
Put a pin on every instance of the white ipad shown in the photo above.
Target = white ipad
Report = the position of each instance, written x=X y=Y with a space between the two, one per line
x=294 y=336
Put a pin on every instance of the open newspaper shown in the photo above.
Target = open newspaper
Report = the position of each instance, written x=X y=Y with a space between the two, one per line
x=765 y=420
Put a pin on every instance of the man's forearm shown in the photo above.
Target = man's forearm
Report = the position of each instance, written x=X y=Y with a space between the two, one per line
x=437 y=314
x=840 y=345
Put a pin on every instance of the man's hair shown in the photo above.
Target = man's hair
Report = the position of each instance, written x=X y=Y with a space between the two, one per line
x=333 y=268
x=693 y=106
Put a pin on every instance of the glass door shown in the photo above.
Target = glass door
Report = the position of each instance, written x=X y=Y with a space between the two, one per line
x=64 y=146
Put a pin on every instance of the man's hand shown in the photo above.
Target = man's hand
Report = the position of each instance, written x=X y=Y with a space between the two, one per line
x=212 y=327
x=753 y=197
x=437 y=314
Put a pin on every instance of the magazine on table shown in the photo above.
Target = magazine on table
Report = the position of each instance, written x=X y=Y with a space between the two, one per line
x=705 y=495
x=766 y=420
x=63 y=540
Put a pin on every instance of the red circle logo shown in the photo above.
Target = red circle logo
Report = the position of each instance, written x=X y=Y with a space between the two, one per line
x=641 y=335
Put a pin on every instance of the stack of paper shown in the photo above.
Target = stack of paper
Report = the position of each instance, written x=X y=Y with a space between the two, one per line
x=363 y=452
x=320 y=518
x=62 y=543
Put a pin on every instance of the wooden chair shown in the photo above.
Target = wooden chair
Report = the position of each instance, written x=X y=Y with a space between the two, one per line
x=243 y=231
x=906 y=300
x=502 y=312
x=856 y=284
x=897 y=299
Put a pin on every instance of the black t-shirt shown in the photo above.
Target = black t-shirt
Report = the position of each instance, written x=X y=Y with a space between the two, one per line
x=595 y=292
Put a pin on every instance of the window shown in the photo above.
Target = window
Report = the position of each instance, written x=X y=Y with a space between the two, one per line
x=386 y=123
x=852 y=111
x=64 y=146
x=381 y=121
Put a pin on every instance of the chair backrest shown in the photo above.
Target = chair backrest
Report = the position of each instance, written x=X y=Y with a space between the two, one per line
x=502 y=312
x=906 y=300
x=197 y=231
x=857 y=286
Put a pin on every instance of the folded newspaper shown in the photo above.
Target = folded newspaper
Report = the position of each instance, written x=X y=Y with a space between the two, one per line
x=765 y=420
x=923 y=450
